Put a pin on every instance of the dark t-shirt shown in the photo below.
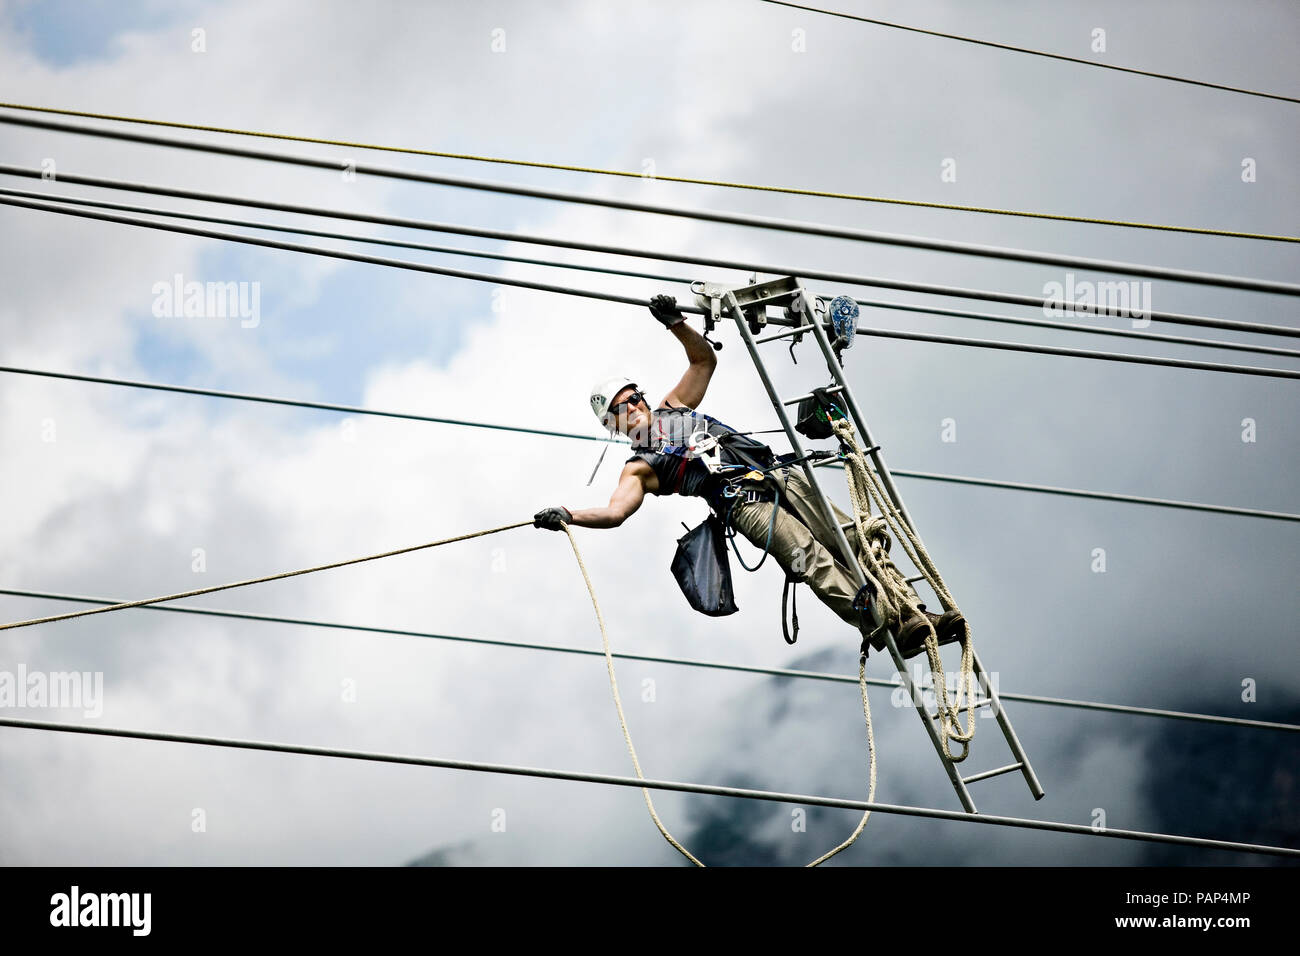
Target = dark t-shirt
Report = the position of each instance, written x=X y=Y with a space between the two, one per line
x=666 y=449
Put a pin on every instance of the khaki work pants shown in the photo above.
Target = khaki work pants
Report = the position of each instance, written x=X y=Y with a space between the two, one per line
x=805 y=545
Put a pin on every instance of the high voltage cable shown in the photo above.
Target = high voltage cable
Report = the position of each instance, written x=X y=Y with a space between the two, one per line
x=1076 y=327
x=358 y=410
x=508 y=236
x=703 y=215
x=1020 y=49
x=375 y=240
x=630 y=273
x=1105 y=496
x=629 y=300
x=637 y=782
x=662 y=659
x=291 y=403
x=885 y=200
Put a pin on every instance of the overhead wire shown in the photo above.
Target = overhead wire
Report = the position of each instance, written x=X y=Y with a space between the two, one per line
x=86 y=213
x=1099 y=64
x=986 y=819
x=702 y=215
x=753 y=669
x=663 y=177
x=629 y=273
x=413 y=416
x=928 y=288
x=195 y=592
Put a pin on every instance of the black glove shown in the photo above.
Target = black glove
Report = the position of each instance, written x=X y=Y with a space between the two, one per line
x=664 y=308
x=552 y=519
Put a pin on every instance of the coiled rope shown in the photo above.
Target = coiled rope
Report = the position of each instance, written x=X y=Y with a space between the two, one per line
x=893 y=594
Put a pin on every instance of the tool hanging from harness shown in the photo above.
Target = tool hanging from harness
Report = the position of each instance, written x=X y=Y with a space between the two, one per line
x=696 y=454
x=758 y=485
x=814 y=419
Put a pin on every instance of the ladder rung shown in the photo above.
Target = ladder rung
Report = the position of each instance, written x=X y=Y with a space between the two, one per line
x=914 y=578
x=993 y=773
x=798 y=330
x=802 y=398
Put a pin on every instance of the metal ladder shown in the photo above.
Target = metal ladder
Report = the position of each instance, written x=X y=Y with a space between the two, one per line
x=747 y=306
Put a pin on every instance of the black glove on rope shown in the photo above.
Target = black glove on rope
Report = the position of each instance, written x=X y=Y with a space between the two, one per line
x=552 y=519
x=664 y=308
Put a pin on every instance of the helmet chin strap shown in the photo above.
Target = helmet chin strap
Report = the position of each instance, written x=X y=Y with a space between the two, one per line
x=601 y=458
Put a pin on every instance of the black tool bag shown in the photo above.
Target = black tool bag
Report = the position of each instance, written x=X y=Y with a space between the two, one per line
x=702 y=569
x=816 y=413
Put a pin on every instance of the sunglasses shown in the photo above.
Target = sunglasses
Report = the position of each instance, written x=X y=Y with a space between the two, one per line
x=636 y=398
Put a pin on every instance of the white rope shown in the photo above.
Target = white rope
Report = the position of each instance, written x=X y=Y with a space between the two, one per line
x=636 y=764
x=897 y=594
x=618 y=703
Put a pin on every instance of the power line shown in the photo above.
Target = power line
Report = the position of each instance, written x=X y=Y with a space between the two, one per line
x=1076 y=327
x=703 y=215
x=1055 y=217
x=290 y=402
x=1079 y=353
x=628 y=300
x=1104 y=496
x=358 y=410
x=659 y=659
x=621 y=781
x=630 y=273
x=1042 y=53
x=609 y=249
x=373 y=240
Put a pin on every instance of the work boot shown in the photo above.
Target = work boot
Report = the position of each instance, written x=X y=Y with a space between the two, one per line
x=912 y=634
x=949 y=628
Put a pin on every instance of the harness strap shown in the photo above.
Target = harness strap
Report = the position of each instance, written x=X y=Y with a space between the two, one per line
x=791 y=591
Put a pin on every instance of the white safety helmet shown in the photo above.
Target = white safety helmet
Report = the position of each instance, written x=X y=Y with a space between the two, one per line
x=603 y=392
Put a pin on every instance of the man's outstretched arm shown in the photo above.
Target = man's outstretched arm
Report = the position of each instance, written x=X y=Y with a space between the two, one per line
x=690 y=390
x=626 y=499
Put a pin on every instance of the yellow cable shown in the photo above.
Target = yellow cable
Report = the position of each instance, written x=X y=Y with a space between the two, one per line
x=825 y=194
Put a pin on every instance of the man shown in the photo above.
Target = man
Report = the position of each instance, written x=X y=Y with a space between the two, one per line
x=780 y=513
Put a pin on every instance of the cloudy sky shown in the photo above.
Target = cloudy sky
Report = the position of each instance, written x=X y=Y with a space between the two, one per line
x=112 y=492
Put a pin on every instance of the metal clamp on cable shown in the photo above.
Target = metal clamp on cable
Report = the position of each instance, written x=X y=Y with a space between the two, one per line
x=708 y=296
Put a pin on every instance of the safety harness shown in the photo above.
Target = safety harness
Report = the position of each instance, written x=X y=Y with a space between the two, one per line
x=740 y=470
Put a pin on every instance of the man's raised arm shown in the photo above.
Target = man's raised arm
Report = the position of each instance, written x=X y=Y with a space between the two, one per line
x=690 y=390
